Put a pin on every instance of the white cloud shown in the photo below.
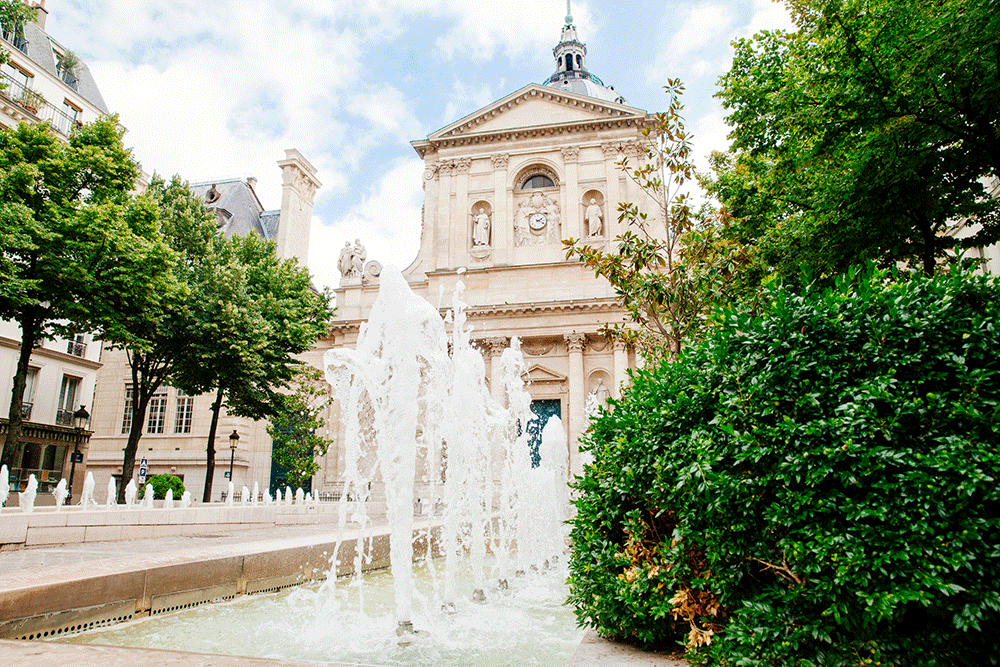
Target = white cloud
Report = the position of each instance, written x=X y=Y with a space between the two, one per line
x=695 y=46
x=768 y=15
x=387 y=222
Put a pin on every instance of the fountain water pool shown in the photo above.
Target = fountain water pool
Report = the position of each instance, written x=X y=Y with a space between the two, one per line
x=524 y=625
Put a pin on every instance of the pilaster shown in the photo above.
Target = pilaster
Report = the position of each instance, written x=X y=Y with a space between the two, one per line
x=575 y=425
x=572 y=216
x=502 y=219
x=298 y=190
x=494 y=348
x=621 y=366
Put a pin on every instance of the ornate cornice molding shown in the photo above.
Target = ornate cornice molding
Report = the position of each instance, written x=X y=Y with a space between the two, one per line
x=496 y=345
x=515 y=134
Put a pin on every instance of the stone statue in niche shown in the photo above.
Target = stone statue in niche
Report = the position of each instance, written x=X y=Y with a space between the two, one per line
x=598 y=397
x=481 y=229
x=595 y=219
x=536 y=221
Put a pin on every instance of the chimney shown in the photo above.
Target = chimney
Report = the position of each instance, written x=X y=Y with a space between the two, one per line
x=298 y=188
x=252 y=182
x=40 y=13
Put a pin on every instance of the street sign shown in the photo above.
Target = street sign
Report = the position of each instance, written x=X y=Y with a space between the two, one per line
x=142 y=471
x=227 y=474
x=77 y=457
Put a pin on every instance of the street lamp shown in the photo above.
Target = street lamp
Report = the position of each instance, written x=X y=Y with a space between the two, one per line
x=234 y=440
x=80 y=419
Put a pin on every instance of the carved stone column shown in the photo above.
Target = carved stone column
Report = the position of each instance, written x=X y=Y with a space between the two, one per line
x=502 y=219
x=621 y=366
x=460 y=242
x=572 y=218
x=495 y=347
x=577 y=421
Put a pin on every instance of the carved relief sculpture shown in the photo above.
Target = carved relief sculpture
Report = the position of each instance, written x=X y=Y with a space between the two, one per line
x=595 y=219
x=481 y=229
x=536 y=221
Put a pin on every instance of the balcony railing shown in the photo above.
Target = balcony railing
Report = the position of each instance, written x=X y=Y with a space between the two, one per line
x=26 y=410
x=69 y=78
x=17 y=93
x=17 y=41
x=76 y=348
x=64 y=417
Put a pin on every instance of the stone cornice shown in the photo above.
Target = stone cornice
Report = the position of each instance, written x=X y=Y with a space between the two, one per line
x=502 y=136
x=47 y=353
x=509 y=310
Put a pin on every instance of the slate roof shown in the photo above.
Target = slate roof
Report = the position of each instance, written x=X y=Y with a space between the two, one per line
x=40 y=51
x=237 y=208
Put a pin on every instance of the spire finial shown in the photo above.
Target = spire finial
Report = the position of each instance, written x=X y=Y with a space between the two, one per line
x=569 y=14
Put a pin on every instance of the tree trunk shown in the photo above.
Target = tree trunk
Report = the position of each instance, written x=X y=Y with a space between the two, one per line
x=29 y=334
x=210 y=449
x=141 y=396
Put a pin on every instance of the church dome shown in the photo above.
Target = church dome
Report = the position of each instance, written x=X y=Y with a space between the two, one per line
x=571 y=68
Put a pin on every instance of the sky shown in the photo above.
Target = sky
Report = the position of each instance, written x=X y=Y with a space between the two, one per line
x=217 y=89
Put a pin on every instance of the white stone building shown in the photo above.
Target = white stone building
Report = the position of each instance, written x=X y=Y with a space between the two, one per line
x=175 y=434
x=503 y=186
x=62 y=373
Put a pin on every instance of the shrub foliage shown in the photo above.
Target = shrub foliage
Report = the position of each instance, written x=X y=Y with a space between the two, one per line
x=814 y=486
x=161 y=483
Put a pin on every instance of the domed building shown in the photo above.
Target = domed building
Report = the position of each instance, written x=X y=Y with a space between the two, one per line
x=503 y=187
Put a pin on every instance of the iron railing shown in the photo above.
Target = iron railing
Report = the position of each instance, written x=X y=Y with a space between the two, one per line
x=17 y=41
x=16 y=92
x=76 y=348
x=26 y=410
x=64 y=417
x=69 y=78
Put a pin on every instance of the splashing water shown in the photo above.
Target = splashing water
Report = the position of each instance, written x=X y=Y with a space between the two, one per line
x=423 y=422
x=27 y=498
x=61 y=493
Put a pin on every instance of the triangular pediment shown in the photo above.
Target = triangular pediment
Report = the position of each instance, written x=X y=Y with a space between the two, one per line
x=538 y=374
x=536 y=106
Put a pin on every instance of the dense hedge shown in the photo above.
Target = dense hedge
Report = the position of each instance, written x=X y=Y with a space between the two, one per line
x=817 y=486
x=160 y=485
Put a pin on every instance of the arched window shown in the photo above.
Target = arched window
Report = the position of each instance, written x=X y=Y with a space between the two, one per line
x=538 y=181
x=579 y=61
x=569 y=62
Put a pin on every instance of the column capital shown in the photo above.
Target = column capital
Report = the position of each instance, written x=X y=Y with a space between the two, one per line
x=500 y=160
x=575 y=342
x=618 y=345
x=496 y=345
x=570 y=153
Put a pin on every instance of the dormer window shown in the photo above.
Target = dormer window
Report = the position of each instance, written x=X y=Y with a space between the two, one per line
x=213 y=195
x=538 y=181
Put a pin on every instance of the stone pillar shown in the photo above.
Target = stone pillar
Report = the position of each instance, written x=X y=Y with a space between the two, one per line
x=613 y=195
x=621 y=366
x=460 y=231
x=577 y=420
x=298 y=188
x=495 y=347
x=572 y=215
x=444 y=220
x=503 y=223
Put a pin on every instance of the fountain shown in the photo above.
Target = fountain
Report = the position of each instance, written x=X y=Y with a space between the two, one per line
x=168 y=500
x=256 y=492
x=87 y=497
x=61 y=493
x=27 y=498
x=230 y=493
x=4 y=485
x=421 y=420
x=112 y=494
x=440 y=438
x=245 y=496
x=130 y=493
x=147 y=497
x=185 y=500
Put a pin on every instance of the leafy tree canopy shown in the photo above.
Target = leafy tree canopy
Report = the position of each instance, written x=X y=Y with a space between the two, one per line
x=863 y=135
x=295 y=427
x=77 y=248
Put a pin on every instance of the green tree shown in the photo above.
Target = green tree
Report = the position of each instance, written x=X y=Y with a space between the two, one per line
x=248 y=325
x=154 y=338
x=77 y=249
x=667 y=268
x=13 y=15
x=863 y=135
x=295 y=426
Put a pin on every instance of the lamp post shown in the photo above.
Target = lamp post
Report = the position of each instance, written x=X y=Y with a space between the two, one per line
x=234 y=440
x=80 y=419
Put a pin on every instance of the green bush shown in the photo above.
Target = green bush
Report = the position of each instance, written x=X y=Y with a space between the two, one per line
x=815 y=486
x=160 y=485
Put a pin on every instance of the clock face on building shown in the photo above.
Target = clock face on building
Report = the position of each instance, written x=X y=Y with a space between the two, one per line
x=537 y=221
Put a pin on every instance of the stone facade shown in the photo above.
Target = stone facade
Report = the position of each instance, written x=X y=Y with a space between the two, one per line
x=176 y=432
x=503 y=187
